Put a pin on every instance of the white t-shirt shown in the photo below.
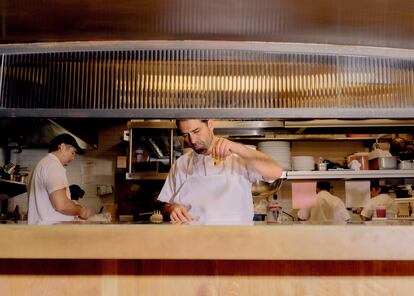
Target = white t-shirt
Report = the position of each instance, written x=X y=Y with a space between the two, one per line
x=48 y=176
x=382 y=199
x=198 y=165
x=328 y=208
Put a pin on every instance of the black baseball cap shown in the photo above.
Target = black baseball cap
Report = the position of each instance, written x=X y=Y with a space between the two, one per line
x=323 y=185
x=66 y=139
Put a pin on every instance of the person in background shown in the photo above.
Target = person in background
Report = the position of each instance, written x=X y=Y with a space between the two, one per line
x=49 y=195
x=328 y=208
x=379 y=197
x=212 y=183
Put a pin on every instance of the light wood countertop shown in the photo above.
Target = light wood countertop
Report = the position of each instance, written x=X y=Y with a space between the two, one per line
x=263 y=242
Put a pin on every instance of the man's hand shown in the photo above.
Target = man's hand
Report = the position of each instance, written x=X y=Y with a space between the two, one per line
x=65 y=206
x=221 y=149
x=178 y=214
x=85 y=213
x=260 y=162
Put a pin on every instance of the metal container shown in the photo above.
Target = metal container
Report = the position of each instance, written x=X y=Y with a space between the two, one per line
x=406 y=165
x=322 y=166
x=362 y=158
x=383 y=163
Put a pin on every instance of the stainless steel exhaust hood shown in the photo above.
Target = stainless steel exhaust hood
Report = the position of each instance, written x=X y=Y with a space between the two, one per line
x=34 y=133
x=348 y=123
x=270 y=59
x=260 y=82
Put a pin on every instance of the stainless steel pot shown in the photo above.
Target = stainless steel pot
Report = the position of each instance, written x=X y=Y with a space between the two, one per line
x=383 y=163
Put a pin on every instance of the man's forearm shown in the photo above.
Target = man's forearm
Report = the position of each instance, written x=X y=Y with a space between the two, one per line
x=70 y=208
x=262 y=163
x=65 y=206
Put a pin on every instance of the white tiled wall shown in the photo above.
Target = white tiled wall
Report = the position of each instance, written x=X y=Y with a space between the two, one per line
x=88 y=171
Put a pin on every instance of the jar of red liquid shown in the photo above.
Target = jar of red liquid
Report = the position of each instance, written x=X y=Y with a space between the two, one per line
x=381 y=211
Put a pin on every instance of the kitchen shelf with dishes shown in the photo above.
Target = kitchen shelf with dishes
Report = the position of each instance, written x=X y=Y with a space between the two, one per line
x=261 y=131
x=321 y=137
x=158 y=140
x=349 y=174
x=305 y=175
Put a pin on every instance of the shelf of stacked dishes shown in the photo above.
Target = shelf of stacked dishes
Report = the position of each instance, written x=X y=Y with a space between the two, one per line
x=307 y=167
x=348 y=174
x=299 y=163
x=356 y=166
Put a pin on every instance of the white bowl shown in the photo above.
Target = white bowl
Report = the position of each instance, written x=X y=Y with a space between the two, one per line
x=303 y=158
x=303 y=163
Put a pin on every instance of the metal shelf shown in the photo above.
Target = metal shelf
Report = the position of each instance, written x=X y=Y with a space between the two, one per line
x=304 y=175
x=404 y=200
x=12 y=188
x=161 y=124
x=324 y=137
x=230 y=126
x=218 y=124
x=348 y=174
x=252 y=130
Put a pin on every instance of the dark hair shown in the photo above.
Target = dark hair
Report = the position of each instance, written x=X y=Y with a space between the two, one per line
x=177 y=121
x=323 y=185
x=384 y=189
x=376 y=185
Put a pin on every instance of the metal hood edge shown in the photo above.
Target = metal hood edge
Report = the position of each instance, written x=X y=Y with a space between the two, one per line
x=35 y=133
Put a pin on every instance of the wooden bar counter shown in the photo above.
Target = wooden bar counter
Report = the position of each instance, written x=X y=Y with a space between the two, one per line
x=136 y=259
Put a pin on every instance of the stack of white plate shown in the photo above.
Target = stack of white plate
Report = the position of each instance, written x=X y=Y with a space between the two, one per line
x=278 y=150
x=303 y=163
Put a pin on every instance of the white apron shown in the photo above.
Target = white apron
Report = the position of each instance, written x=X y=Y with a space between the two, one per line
x=216 y=200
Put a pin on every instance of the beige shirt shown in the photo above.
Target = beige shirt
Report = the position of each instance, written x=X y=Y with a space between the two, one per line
x=328 y=209
x=48 y=176
x=382 y=199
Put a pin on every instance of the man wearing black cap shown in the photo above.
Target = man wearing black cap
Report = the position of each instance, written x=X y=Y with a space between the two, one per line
x=328 y=208
x=49 y=195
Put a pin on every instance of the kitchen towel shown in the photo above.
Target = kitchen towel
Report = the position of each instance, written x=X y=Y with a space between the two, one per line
x=303 y=194
x=357 y=193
